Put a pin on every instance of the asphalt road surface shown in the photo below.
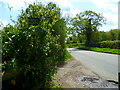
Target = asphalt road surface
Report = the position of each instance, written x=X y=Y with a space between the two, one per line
x=103 y=64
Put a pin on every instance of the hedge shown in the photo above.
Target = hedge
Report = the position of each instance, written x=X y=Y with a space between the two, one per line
x=108 y=44
x=30 y=53
x=74 y=44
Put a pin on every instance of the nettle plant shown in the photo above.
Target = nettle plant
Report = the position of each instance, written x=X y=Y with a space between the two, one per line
x=33 y=47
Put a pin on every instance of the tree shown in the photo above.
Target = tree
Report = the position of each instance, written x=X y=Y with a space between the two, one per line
x=81 y=38
x=102 y=35
x=87 y=22
x=114 y=33
x=118 y=34
x=111 y=35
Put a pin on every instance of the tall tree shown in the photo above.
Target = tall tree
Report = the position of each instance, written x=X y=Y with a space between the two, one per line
x=114 y=33
x=87 y=22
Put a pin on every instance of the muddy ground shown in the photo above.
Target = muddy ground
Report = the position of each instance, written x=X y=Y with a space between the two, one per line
x=72 y=74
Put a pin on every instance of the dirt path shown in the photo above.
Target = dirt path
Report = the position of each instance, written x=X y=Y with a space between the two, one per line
x=72 y=74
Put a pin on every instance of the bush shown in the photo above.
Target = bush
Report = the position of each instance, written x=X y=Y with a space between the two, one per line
x=70 y=45
x=108 y=44
x=31 y=52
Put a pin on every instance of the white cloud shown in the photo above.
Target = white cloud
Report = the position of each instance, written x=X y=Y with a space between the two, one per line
x=3 y=23
x=64 y=3
x=109 y=8
x=72 y=13
x=111 y=17
x=106 y=4
x=16 y=4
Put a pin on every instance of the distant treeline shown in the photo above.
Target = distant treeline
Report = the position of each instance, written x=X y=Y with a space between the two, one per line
x=112 y=35
x=102 y=39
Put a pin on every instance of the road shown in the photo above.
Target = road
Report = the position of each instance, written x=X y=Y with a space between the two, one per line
x=103 y=64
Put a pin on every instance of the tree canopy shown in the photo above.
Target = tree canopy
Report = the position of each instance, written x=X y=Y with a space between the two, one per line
x=87 y=22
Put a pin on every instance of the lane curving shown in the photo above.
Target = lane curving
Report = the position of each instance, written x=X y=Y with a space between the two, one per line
x=103 y=64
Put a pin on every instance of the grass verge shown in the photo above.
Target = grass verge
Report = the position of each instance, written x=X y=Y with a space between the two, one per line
x=105 y=50
x=68 y=56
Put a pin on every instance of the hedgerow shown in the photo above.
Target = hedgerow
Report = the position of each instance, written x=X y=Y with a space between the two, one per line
x=33 y=47
x=108 y=44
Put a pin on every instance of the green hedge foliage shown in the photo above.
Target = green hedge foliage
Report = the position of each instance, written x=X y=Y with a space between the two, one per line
x=31 y=52
x=74 y=44
x=108 y=44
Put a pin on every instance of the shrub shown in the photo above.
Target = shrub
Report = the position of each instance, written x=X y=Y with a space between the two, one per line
x=31 y=52
x=74 y=44
x=108 y=44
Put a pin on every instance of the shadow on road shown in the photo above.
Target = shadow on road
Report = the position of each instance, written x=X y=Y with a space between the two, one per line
x=61 y=64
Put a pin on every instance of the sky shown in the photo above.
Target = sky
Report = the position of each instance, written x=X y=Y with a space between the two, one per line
x=108 y=8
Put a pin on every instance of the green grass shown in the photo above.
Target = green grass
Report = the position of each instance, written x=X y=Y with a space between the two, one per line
x=53 y=85
x=57 y=86
x=105 y=50
x=68 y=56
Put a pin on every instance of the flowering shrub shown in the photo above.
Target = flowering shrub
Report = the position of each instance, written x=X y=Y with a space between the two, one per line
x=32 y=51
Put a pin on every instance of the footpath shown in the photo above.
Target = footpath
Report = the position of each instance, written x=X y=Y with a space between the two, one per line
x=72 y=74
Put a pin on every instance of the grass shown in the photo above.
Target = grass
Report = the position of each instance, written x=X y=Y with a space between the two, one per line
x=53 y=85
x=57 y=86
x=105 y=50
x=68 y=56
